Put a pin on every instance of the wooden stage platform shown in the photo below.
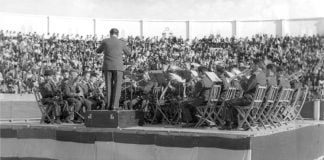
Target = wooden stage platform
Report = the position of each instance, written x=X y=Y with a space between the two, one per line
x=301 y=140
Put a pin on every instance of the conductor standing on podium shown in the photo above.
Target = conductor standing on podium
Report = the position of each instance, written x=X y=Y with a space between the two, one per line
x=113 y=67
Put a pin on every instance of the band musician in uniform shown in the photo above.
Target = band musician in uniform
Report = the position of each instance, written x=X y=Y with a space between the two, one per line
x=200 y=96
x=112 y=68
x=50 y=94
x=249 y=86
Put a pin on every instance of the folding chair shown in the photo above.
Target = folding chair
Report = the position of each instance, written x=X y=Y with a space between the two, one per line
x=297 y=105
x=266 y=107
x=231 y=93
x=205 y=113
x=45 y=109
x=295 y=97
x=282 y=102
x=246 y=112
x=158 y=94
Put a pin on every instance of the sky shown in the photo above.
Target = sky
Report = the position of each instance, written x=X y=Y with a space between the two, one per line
x=169 y=9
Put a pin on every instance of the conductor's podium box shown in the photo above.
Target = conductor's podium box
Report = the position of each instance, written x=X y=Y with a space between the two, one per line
x=114 y=119
x=313 y=110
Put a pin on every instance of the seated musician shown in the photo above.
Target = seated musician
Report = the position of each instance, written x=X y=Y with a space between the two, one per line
x=91 y=98
x=96 y=94
x=220 y=72
x=249 y=86
x=144 y=89
x=282 y=79
x=65 y=79
x=295 y=83
x=200 y=96
x=271 y=75
x=50 y=94
x=73 y=93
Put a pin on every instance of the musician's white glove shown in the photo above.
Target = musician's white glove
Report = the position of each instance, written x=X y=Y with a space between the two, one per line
x=134 y=84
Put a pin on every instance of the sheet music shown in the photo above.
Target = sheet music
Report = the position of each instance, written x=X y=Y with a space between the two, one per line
x=213 y=77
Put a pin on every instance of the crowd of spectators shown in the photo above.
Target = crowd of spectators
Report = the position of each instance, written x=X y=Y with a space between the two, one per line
x=24 y=57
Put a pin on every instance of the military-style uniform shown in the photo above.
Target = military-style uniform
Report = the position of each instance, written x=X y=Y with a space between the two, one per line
x=272 y=80
x=70 y=93
x=50 y=96
x=249 y=87
x=283 y=82
x=92 y=98
x=200 y=97
x=144 y=90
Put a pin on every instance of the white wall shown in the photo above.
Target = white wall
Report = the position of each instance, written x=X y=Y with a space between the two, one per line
x=186 y=29
x=308 y=27
x=248 y=28
x=23 y=23
x=126 y=27
x=156 y=28
x=71 y=25
x=200 y=29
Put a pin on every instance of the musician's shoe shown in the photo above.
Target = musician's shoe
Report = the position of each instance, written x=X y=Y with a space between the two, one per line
x=68 y=121
x=79 y=120
x=58 y=121
x=225 y=127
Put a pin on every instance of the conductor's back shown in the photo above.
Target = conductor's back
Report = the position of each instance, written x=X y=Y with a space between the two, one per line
x=113 y=49
x=112 y=67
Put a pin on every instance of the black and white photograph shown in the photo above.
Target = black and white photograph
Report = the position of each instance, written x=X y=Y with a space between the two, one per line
x=161 y=79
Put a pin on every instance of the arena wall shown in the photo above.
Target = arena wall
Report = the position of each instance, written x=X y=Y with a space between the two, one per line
x=187 y=29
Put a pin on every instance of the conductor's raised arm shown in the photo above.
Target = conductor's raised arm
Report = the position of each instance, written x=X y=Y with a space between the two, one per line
x=126 y=50
x=101 y=47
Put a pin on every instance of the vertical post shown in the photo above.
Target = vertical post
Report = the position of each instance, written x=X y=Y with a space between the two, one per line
x=317 y=106
x=279 y=27
x=48 y=24
x=284 y=27
x=94 y=26
x=188 y=29
x=234 y=28
x=141 y=28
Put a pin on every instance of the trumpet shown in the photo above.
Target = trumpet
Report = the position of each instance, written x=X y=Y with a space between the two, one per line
x=243 y=73
x=296 y=76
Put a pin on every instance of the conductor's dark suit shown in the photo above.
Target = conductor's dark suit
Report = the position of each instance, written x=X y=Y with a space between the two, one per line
x=112 y=68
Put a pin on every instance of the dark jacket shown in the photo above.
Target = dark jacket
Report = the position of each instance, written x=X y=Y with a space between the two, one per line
x=113 y=49
x=202 y=88
x=257 y=78
x=48 y=89
x=272 y=81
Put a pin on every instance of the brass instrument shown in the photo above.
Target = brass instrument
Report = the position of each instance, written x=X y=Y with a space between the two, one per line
x=177 y=78
x=133 y=82
x=243 y=73
x=295 y=76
